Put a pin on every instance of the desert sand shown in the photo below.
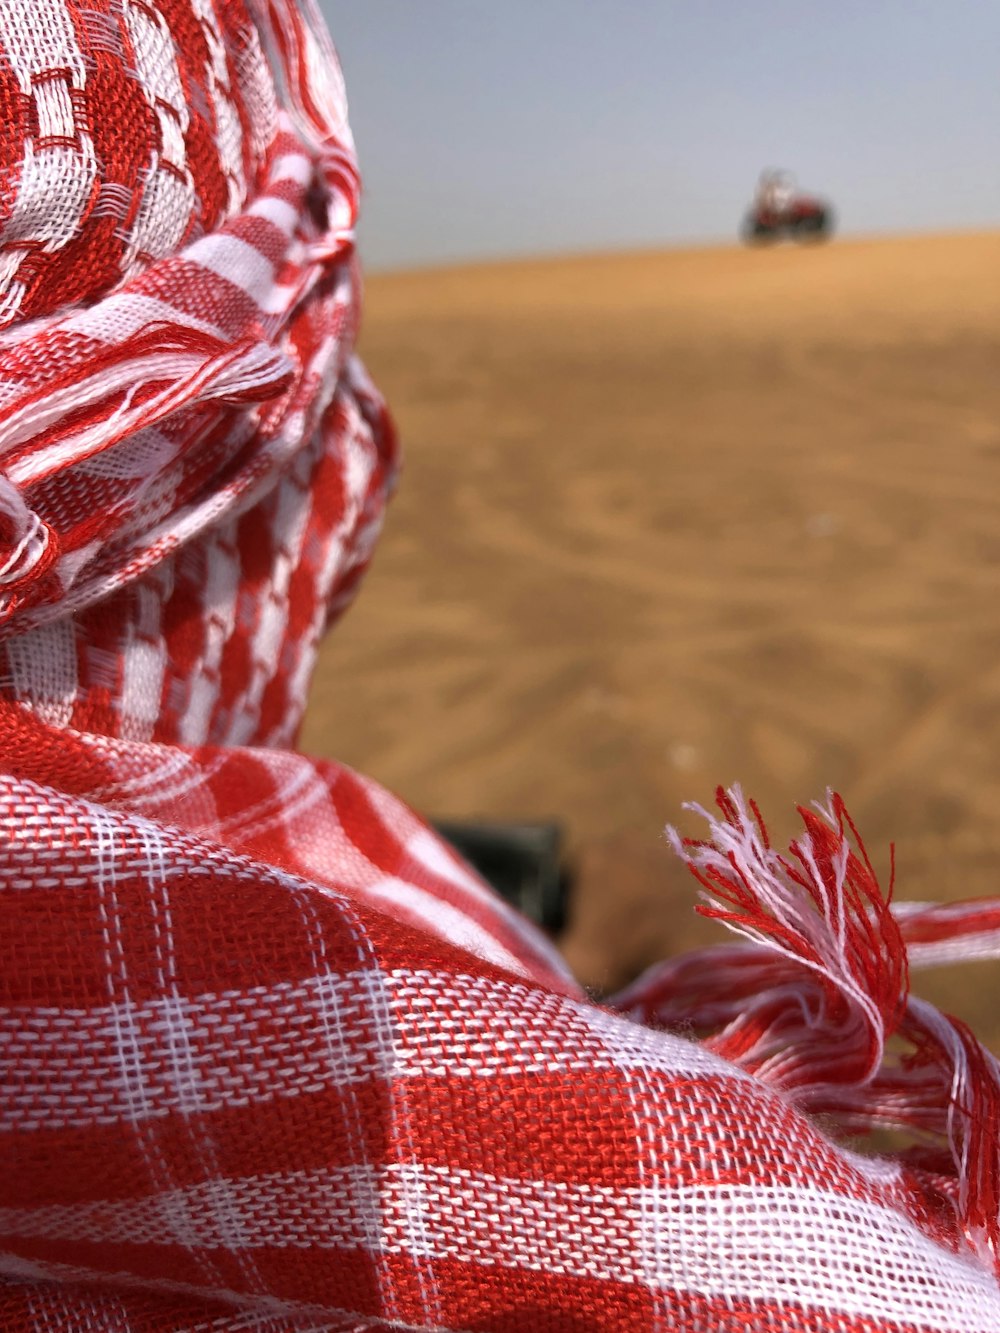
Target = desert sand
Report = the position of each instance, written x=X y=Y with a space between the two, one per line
x=677 y=519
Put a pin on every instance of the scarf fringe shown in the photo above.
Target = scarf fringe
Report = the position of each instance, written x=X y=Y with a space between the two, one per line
x=810 y=1004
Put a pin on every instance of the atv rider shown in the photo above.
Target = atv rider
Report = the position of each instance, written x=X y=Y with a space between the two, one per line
x=775 y=191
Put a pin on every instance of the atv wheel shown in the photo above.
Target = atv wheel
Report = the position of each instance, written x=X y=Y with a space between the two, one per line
x=756 y=232
x=814 y=226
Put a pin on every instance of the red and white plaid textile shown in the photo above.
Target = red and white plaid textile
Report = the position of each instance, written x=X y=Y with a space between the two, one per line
x=271 y=1056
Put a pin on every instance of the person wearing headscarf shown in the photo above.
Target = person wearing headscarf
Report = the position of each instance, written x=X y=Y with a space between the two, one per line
x=271 y=1056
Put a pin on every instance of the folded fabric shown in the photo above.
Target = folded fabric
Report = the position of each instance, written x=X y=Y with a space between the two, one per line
x=271 y=1056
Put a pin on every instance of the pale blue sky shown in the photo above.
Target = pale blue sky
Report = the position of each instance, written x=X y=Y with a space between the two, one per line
x=538 y=126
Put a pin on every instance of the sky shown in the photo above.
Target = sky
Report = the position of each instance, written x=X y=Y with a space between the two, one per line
x=488 y=130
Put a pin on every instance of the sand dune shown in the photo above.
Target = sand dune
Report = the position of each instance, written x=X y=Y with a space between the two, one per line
x=676 y=519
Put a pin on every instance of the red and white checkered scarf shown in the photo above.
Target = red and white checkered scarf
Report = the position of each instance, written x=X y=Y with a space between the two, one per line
x=271 y=1057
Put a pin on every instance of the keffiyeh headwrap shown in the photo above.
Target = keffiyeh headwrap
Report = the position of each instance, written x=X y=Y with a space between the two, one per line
x=271 y=1056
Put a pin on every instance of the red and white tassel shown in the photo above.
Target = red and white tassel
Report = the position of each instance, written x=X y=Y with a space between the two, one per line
x=809 y=1005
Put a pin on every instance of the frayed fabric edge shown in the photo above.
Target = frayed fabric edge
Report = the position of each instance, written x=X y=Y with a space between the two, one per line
x=816 y=1002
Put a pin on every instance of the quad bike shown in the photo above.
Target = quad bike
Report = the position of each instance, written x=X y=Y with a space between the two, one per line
x=797 y=216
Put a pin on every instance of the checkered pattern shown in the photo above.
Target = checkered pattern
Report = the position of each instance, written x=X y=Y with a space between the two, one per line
x=130 y=425
x=122 y=139
x=217 y=645
x=271 y=1056
x=265 y=1041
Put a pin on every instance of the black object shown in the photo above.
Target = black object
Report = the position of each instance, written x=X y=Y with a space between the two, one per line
x=804 y=220
x=523 y=862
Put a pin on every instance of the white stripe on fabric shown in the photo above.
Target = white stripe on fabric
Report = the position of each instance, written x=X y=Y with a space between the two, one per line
x=162 y=218
x=235 y=260
x=54 y=109
x=84 y=1078
x=53 y=187
x=39 y=38
x=145 y=454
x=281 y=296
x=443 y=920
x=982 y=947
x=70 y=1071
x=117 y=318
x=44 y=670
x=258 y=365
x=358 y=479
x=167 y=200
x=55 y=181
x=144 y=666
x=429 y=851
x=289 y=528
x=277 y=211
x=806 y=1247
x=816 y=1249
x=294 y=167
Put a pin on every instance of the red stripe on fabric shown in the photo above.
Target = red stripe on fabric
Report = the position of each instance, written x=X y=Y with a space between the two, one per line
x=372 y=835
x=90 y=897
x=186 y=624
x=535 y=1302
x=336 y=1276
x=210 y=182
x=257 y=556
x=200 y=293
x=54 y=353
x=217 y=1268
x=245 y=790
x=349 y=1125
x=78 y=1166
x=267 y=239
x=557 y=1138
x=76 y=527
x=201 y=144
x=337 y=1127
x=380 y=424
x=120 y=123
x=652 y=1129
x=27 y=1307
x=52 y=940
x=15 y=116
x=233 y=928
x=113 y=111
x=505 y=1299
x=32 y=750
x=287 y=190
x=950 y=921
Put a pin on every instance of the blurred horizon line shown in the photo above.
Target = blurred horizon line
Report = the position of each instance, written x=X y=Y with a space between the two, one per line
x=681 y=246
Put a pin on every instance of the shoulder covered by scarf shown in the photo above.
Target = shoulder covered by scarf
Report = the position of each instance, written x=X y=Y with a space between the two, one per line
x=271 y=1056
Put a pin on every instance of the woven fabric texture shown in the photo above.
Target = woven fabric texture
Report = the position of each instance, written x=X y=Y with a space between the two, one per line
x=271 y=1056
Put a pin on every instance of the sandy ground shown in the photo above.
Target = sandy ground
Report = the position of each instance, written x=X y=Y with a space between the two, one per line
x=676 y=519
